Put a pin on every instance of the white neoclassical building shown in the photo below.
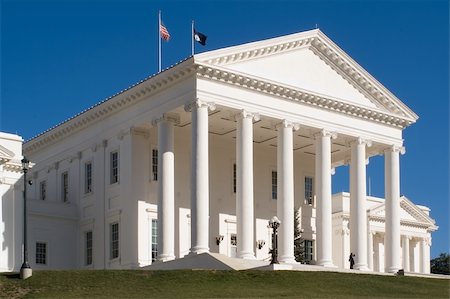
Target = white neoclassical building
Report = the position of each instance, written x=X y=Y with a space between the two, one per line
x=11 y=202
x=200 y=156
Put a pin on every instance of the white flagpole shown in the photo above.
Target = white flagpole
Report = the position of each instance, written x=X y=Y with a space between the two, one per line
x=159 y=42
x=192 y=37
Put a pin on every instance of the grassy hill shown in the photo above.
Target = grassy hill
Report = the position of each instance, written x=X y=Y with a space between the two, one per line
x=217 y=284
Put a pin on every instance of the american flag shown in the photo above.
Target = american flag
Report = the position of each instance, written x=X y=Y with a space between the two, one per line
x=165 y=35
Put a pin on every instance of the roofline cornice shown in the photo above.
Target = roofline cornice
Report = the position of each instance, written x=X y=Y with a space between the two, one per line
x=298 y=95
x=111 y=105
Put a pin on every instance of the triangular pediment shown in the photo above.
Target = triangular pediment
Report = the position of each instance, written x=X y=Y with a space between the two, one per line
x=5 y=154
x=308 y=61
x=305 y=70
x=409 y=213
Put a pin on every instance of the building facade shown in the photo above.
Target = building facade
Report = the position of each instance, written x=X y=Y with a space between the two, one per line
x=11 y=205
x=200 y=156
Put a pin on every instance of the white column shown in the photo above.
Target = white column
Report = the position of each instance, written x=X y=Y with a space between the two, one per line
x=199 y=176
x=370 y=252
x=244 y=185
x=323 y=194
x=285 y=196
x=358 y=211
x=414 y=266
x=425 y=255
x=392 y=195
x=405 y=248
x=166 y=187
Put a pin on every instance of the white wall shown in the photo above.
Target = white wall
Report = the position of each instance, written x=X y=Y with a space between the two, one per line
x=11 y=204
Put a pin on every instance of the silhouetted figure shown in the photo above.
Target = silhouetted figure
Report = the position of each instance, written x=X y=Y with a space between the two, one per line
x=351 y=260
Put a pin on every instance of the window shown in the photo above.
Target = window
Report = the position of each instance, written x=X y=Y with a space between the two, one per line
x=65 y=186
x=41 y=253
x=233 y=240
x=114 y=235
x=309 y=190
x=88 y=177
x=233 y=245
x=154 y=164
x=234 y=177
x=114 y=166
x=88 y=244
x=309 y=250
x=154 y=239
x=274 y=185
x=43 y=190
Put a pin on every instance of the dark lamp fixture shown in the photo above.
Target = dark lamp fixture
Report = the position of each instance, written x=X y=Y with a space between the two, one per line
x=25 y=164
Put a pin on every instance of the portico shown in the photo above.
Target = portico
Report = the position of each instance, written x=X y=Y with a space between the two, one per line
x=325 y=148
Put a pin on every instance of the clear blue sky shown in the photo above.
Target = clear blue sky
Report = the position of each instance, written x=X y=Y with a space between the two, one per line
x=60 y=57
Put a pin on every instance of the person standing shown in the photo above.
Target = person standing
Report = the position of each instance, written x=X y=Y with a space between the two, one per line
x=351 y=260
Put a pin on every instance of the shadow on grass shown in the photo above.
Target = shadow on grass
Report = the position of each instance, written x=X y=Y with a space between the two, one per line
x=11 y=275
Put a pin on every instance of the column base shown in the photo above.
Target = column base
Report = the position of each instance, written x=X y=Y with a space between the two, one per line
x=198 y=250
x=246 y=256
x=392 y=269
x=287 y=260
x=165 y=258
x=361 y=267
x=328 y=264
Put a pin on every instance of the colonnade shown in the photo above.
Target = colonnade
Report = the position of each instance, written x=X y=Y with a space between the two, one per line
x=285 y=205
x=415 y=252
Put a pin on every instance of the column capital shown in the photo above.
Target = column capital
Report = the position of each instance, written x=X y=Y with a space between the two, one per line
x=287 y=124
x=171 y=117
x=345 y=231
x=246 y=114
x=360 y=141
x=197 y=103
x=406 y=237
x=325 y=133
x=427 y=241
x=395 y=149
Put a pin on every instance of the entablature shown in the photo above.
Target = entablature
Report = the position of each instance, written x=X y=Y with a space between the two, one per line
x=299 y=95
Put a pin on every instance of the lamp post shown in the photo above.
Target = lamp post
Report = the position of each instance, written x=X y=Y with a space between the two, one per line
x=25 y=270
x=274 y=224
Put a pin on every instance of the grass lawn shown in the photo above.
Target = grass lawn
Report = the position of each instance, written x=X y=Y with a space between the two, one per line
x=217 y=284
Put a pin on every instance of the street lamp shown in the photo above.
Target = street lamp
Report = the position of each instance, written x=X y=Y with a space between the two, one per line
x=25 y=270
x=274 y=224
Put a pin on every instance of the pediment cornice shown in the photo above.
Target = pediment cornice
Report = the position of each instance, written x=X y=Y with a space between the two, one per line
x=291 y=93
x=326 y=50
x=111 y=105
x=422 y=220
x=5 y=154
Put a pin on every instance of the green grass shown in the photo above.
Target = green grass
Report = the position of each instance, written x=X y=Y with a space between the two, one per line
x=217 y=284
